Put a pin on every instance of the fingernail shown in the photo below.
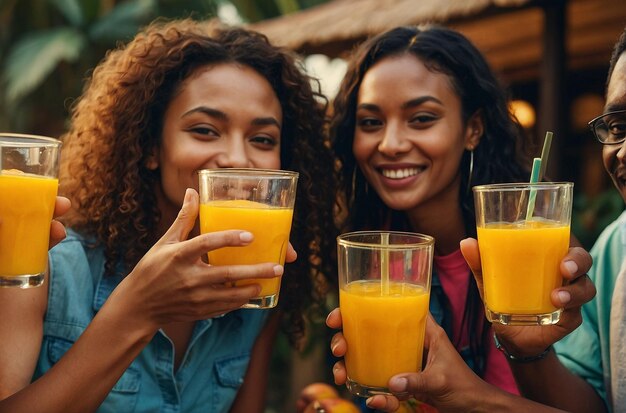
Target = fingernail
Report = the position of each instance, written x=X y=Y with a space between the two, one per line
x=564 y=297
x=368 y=401
x=571 y=267
x=246 y=236
x=333 y=346
x=398 y=384
x=278 y=270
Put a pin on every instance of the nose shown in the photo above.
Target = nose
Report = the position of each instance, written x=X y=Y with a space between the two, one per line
x=393 y=143
x=234 y=155
x=621 y=153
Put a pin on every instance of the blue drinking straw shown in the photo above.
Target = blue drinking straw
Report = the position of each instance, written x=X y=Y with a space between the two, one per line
x=536 y=175
x=534 y=178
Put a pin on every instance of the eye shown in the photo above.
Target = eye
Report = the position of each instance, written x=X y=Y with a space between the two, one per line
x=617 y=128
x=369 y=123
x=423 y=119
x=264 y=142
x=204 y=131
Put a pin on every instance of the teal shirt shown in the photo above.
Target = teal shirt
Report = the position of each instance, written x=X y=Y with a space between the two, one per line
x=212 y=369
x=586 y=351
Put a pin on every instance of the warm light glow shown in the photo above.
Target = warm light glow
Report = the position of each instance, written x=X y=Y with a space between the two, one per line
x=524 y=112
x=584 y=108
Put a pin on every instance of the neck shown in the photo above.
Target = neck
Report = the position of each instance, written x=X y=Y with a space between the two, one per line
x=442 y=219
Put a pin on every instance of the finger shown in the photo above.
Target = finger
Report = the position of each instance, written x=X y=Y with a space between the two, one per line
x=334 y=319
x=203 y=243
x=221 y=297
x=57 y=233
x=431 y=329
x=292 y=255
x=408 y=384
x=61 y=206
x=225 y=274
x=575 y=294
x=185 y=220
x=383 y=403
x=576 y=263
x=338 y=345
x=339 y=373
x=471 y=253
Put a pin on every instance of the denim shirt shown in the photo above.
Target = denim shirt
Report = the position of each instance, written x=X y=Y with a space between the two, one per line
x=210 y=373
x=440 y=311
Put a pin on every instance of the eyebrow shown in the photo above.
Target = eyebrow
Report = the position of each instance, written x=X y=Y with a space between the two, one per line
x=208 y=111
x=615 y=106
x=418 y=101
x=223 y=116
x=409 y=104
x=266 y=121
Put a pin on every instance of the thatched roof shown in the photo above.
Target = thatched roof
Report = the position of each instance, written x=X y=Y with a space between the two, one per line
x=509 y=32
x=347 y=20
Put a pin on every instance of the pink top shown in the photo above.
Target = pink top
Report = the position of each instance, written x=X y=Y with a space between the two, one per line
x=454 y=277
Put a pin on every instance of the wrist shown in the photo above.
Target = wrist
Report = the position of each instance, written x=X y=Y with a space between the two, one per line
x=518 y=357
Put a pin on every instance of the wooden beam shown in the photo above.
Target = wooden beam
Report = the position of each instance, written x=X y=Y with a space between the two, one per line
x=552 y=105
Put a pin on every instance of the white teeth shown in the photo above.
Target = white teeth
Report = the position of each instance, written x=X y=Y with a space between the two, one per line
x=399 y=173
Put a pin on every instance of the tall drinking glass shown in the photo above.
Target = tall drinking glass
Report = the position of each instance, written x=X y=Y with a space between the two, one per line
x=29 y=168
x=384 y=290
x=257 y=200
x=523 y=234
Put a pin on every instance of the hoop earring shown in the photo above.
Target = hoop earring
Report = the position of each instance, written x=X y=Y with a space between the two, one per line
x=471 y=171
x=354 y=189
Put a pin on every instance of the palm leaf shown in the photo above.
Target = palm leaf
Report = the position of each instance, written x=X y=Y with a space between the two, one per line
x=123 y=21
x=34 y=57
x=71 y=10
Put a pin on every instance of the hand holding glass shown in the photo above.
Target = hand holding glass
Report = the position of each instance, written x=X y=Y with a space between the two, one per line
x=384 y=290
x=523 y=234
x=28 y=188
x=257 y=200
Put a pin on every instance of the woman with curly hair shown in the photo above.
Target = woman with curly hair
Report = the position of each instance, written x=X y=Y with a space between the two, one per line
x=131 y=319
x=419 y=119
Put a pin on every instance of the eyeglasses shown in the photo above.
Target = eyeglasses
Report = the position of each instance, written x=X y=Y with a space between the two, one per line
x=610 y=128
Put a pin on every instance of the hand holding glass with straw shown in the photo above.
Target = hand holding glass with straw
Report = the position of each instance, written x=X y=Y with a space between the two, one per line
x=384 y=291
x=523 y=234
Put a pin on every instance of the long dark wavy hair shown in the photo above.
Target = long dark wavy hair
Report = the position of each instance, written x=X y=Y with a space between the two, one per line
x=117 y=122
x=497 y=158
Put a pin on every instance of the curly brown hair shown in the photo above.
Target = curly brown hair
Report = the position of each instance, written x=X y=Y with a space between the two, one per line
x=116 y=124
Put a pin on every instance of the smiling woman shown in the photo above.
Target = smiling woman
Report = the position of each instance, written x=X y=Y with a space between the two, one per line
x=419 y=119
x=130 y=276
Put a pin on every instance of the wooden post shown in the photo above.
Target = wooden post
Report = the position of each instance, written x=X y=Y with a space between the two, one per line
x=552 y=105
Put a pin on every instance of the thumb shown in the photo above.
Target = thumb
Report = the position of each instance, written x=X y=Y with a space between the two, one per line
x=471 y=253
x=186 y=219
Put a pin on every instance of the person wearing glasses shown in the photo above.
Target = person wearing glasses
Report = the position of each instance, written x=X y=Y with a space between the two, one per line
x=586 y=370
x=596 y=351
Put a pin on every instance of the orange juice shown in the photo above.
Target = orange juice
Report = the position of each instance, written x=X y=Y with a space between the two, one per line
x=385 y=333
x=26 y=207
x=520 y=264
x=270 y=226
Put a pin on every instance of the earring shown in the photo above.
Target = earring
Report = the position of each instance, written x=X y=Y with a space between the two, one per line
x=354 y=185
x=471 y=169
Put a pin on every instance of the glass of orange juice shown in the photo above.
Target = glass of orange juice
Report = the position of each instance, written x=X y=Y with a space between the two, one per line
x=384 y=290
x=523 y=234
x=29 y=168
x=257 y=200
